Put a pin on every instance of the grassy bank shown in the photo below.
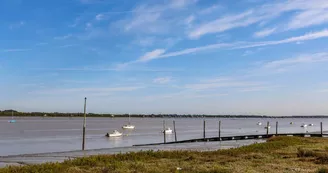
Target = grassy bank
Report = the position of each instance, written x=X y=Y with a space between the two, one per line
x=279 y=154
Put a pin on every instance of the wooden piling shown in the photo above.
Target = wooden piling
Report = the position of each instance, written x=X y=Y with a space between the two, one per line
x=219 y=130
x=84 y=123
x=267 y=132
x=164 y=134
x=175 y=132
x=204 y=133
x=321 y=129
x=277 y=128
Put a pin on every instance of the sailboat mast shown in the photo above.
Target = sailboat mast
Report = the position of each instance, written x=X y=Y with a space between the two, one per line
x=129 y=119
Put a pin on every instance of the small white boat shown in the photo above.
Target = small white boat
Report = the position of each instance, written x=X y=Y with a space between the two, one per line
x=168 y=131
x=12 y=121
x=12 y=118
x=259 y=123
x=291 y=123
x=128 y=126
x=303 y=125
x=311 y=124
x=115 y=133
x=267 y=127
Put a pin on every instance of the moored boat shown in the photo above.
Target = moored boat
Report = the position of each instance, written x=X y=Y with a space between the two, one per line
x=168 y=131
x=115 y=133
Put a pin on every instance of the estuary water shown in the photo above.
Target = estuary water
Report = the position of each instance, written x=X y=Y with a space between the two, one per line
x=31 y=135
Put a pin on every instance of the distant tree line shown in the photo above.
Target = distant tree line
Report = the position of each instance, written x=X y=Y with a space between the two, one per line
x=58 y=114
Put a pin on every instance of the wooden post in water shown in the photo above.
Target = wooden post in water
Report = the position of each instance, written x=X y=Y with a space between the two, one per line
x=277 y=128
x=321 y=129
x=164 y=131
x=84 y=122
x=175 y=132
x=219 y=130
x=267 y=132
x=204 y=133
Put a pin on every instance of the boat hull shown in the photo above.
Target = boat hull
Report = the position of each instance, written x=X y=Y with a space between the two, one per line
x=115 y=135
x=128 y=127
x=168 y=132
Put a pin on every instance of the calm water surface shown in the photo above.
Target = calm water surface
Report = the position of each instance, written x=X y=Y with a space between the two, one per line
x=38 y=135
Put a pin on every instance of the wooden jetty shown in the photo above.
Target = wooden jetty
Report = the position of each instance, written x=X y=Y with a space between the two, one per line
x=242 y=137
x=237 y=137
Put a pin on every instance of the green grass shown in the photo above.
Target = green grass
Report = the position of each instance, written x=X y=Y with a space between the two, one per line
x=279 y=154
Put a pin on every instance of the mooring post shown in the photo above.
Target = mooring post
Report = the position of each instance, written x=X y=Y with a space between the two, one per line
x=164 y=133
x=175 y=132
x=219 y=130
x=268 y=125
x=277 y=128
x=204 y=135
x=321 y=129
x=84 y=122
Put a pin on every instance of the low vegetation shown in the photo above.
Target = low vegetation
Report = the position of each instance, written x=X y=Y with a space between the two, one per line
x=279 y=154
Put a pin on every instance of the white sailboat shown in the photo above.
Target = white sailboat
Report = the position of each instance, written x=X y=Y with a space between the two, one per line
x=12 y=118
x=128 y=126
x=168 y=131
x=115 y=133
x=304 y=125
x=267 y=127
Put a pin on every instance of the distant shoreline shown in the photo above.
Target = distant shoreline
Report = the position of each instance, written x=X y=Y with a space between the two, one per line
x=9 y=113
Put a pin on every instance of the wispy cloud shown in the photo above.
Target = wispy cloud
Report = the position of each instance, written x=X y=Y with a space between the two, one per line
x=155 y=19
x=41 y=44
x=310 y=13
x=17 y=25
x=68 y=45
x=14 y=50
x=306 y=37
x=181 y=3
x=100 y=17
x=210 y=9
x=247 y=52
x=223 y=24
x=322 y=90
x=146 y=41
x=162 y=80
x=311 y=58
x=144 y=20
x=223 y=82
x=151 y=55
x=160 y=53
x=65 y=37
x=265 y=32
x=308 y=18
x=189 y=20
x=102 y=69
x=259 y=88
x=86 y=90
x=91 y=1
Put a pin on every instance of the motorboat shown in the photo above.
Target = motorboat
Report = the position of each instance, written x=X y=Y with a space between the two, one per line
x=311 y=125
x=291 y=123
x=12 y=118
x=115 y=133
x=12 y=121
x=259 y=123
x=267 y=127
x=168 y=131
x=304 y=125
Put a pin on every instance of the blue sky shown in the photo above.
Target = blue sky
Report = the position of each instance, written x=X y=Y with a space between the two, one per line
x=165 y=56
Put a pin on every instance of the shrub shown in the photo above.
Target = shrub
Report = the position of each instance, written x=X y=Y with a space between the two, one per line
x=322 y=170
